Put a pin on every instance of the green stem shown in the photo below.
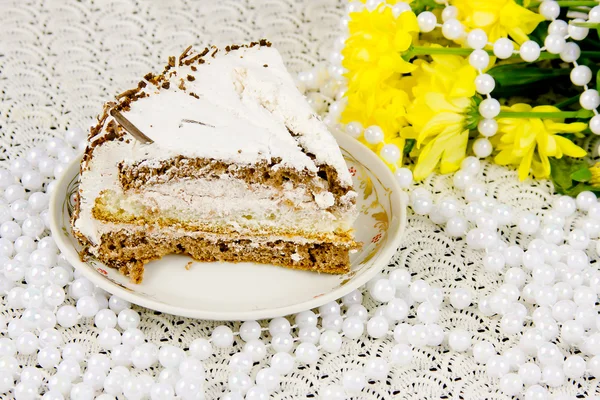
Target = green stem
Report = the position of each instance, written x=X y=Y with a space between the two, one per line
x=423 y=50
x=557 y=114
x=567 y=102
x=568 y=3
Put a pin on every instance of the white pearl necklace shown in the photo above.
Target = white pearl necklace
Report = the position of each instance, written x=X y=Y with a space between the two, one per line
x=549 y=290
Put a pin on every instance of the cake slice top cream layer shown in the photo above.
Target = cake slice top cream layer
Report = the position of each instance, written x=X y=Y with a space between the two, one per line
x=238 y=106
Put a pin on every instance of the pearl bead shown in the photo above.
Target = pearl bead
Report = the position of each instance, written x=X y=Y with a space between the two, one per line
x=511 y=324
x=536 y=392
x=493 y=262
x=477 y=39
x=307 y=353
x=161 y=390
x=48 y=357
x=488 y=108
x=585 y=199
x=462 y=179
x=353 y=381
x=189 y=367
x=309 y=334
x=67 y=316
x=511 y=384
x=584 y=296
x=487 y=127
x=256 y=348
x=497 y=366
x=377 y=327
x=577 y=32
x=283 y=363
x=401 y=354
x=574 y=367
x=404 y=177
x=554 y=43
x=191 y=388
x=282 y=342
x=399 y=8
x=359 y=311
x=87 y=306
x=453 y=29
x=376 y=368
x=419 y=290
x=549 y=9
x=590 y=99
x=427 y=21
x=571 y=52
x=26 y=391
x=144 y=356
x=428 y=313
x=479 y=59
x=250 y=330
x=390 y=153
x=456 y=226
x=483 y=351
x=383 y=291
x=528 y=223
x=483 y=147
x=373 y=134
x=572 y=332
x=459 y=340
x=354 y=129
x=128 y=319
x=515 y=357
x=422 y=205
x=241 y=362
x=334 y=392
x=503 y=48
x=416 y=335
x=529 y=51
x=558 y=27
x=109 y=338
x=460 y=298
x=553 y=375
x=549 y=354
x=306 y=318
x=117 y=304
x=581 y=75
x=170 y=356
x=268 y=378
x=353 y=327
x=330 y=341
x=356 y=297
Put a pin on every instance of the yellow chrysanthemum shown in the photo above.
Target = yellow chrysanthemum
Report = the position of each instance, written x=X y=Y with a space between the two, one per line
x=528 y=142
x=498 y=18
x=374 y=48
x=377 y=94
x=443 y=93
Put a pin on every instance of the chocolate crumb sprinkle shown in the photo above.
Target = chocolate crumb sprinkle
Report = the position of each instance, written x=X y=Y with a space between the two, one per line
x=171 y=61
x=191 y=78
x=166 y=85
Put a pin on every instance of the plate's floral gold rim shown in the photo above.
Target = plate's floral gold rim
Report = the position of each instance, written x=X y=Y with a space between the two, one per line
x=373 y=208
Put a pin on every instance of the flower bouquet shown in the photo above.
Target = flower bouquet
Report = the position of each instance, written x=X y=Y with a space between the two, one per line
x=430 y=82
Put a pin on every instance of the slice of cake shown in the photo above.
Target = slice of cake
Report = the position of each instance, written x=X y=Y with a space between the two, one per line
x=218 y=157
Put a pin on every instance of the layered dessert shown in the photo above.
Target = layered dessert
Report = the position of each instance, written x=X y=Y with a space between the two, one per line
x=218 y=157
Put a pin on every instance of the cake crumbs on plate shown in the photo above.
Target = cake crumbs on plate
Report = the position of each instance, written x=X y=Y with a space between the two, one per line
x=189 y=265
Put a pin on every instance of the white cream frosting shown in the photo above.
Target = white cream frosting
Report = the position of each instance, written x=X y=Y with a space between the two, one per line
x=246 y=111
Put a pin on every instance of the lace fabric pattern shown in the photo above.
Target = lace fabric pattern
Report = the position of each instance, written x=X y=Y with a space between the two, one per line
x=61 y=60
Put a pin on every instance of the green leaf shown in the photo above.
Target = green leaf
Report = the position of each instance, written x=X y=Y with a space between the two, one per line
x=582 y=175
x=598 y=73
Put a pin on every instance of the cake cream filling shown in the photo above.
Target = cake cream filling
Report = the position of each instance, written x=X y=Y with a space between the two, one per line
x=229 y=204
x=227 y=200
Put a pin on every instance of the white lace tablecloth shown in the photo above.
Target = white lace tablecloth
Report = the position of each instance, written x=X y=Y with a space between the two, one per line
x=60 y=60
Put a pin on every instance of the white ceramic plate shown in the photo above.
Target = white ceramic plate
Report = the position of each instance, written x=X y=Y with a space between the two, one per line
x=228 y=291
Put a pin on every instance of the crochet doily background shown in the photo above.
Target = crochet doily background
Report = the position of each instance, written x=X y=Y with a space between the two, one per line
x=61 y=60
